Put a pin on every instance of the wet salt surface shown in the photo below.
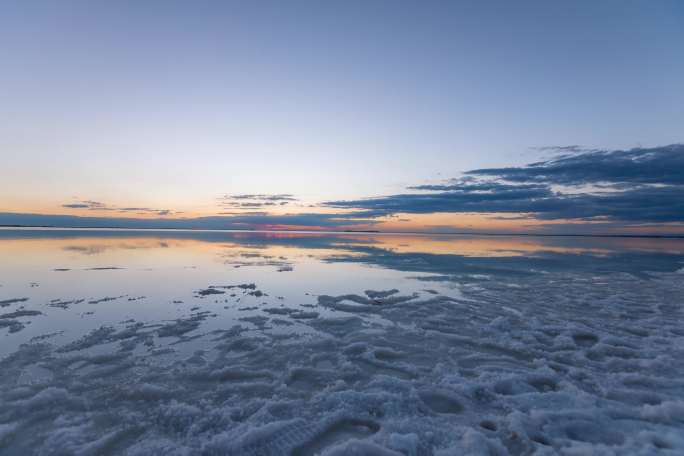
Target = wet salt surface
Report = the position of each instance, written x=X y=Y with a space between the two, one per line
x=202 y=343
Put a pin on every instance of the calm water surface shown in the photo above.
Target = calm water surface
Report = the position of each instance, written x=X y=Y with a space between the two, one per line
x=145 y=342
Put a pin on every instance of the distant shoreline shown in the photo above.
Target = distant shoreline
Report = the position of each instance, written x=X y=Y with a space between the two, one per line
x=370 y=232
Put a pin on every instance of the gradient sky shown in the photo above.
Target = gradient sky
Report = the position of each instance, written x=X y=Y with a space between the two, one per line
x=167 y=106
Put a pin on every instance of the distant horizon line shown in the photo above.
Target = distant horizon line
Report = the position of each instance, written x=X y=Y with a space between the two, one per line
x=422 y=233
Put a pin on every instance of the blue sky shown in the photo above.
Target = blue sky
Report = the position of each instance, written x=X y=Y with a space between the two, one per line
x=170 y=105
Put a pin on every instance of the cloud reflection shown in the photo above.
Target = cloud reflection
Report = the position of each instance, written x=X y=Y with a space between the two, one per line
x=444 y=256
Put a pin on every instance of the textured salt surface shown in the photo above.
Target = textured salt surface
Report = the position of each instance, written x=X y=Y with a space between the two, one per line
x=558 y=363
x=8 y=302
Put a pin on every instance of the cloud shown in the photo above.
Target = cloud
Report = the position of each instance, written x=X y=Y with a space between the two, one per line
x=87 y=204
x=467 y=198
x=658 y=165
x=255 y=200
x=637 y=185
x=263 y=197
x=561 y=149
x=99 y=206
x=467 y=185
x=253 y=205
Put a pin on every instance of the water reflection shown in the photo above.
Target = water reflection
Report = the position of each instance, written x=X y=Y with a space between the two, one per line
x=51 y=267
x=92 y=241
x=212 y=341
x=436 y=253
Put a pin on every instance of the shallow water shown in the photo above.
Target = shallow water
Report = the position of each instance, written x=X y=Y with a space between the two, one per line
x=190 y=342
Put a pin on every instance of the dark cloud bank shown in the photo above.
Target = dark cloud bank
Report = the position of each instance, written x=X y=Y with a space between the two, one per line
x=633 y=186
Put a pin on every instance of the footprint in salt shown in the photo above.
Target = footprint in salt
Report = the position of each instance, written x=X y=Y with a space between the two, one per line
x=585 y=339
x=338 y=431
x=441 y=401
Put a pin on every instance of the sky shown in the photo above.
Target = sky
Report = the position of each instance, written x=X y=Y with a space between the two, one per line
x=343 y=115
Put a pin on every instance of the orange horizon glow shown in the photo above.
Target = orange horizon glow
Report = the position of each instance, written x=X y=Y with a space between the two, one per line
x=400 y=223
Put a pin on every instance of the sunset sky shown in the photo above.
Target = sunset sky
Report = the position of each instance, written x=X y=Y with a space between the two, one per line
x=564 y=117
